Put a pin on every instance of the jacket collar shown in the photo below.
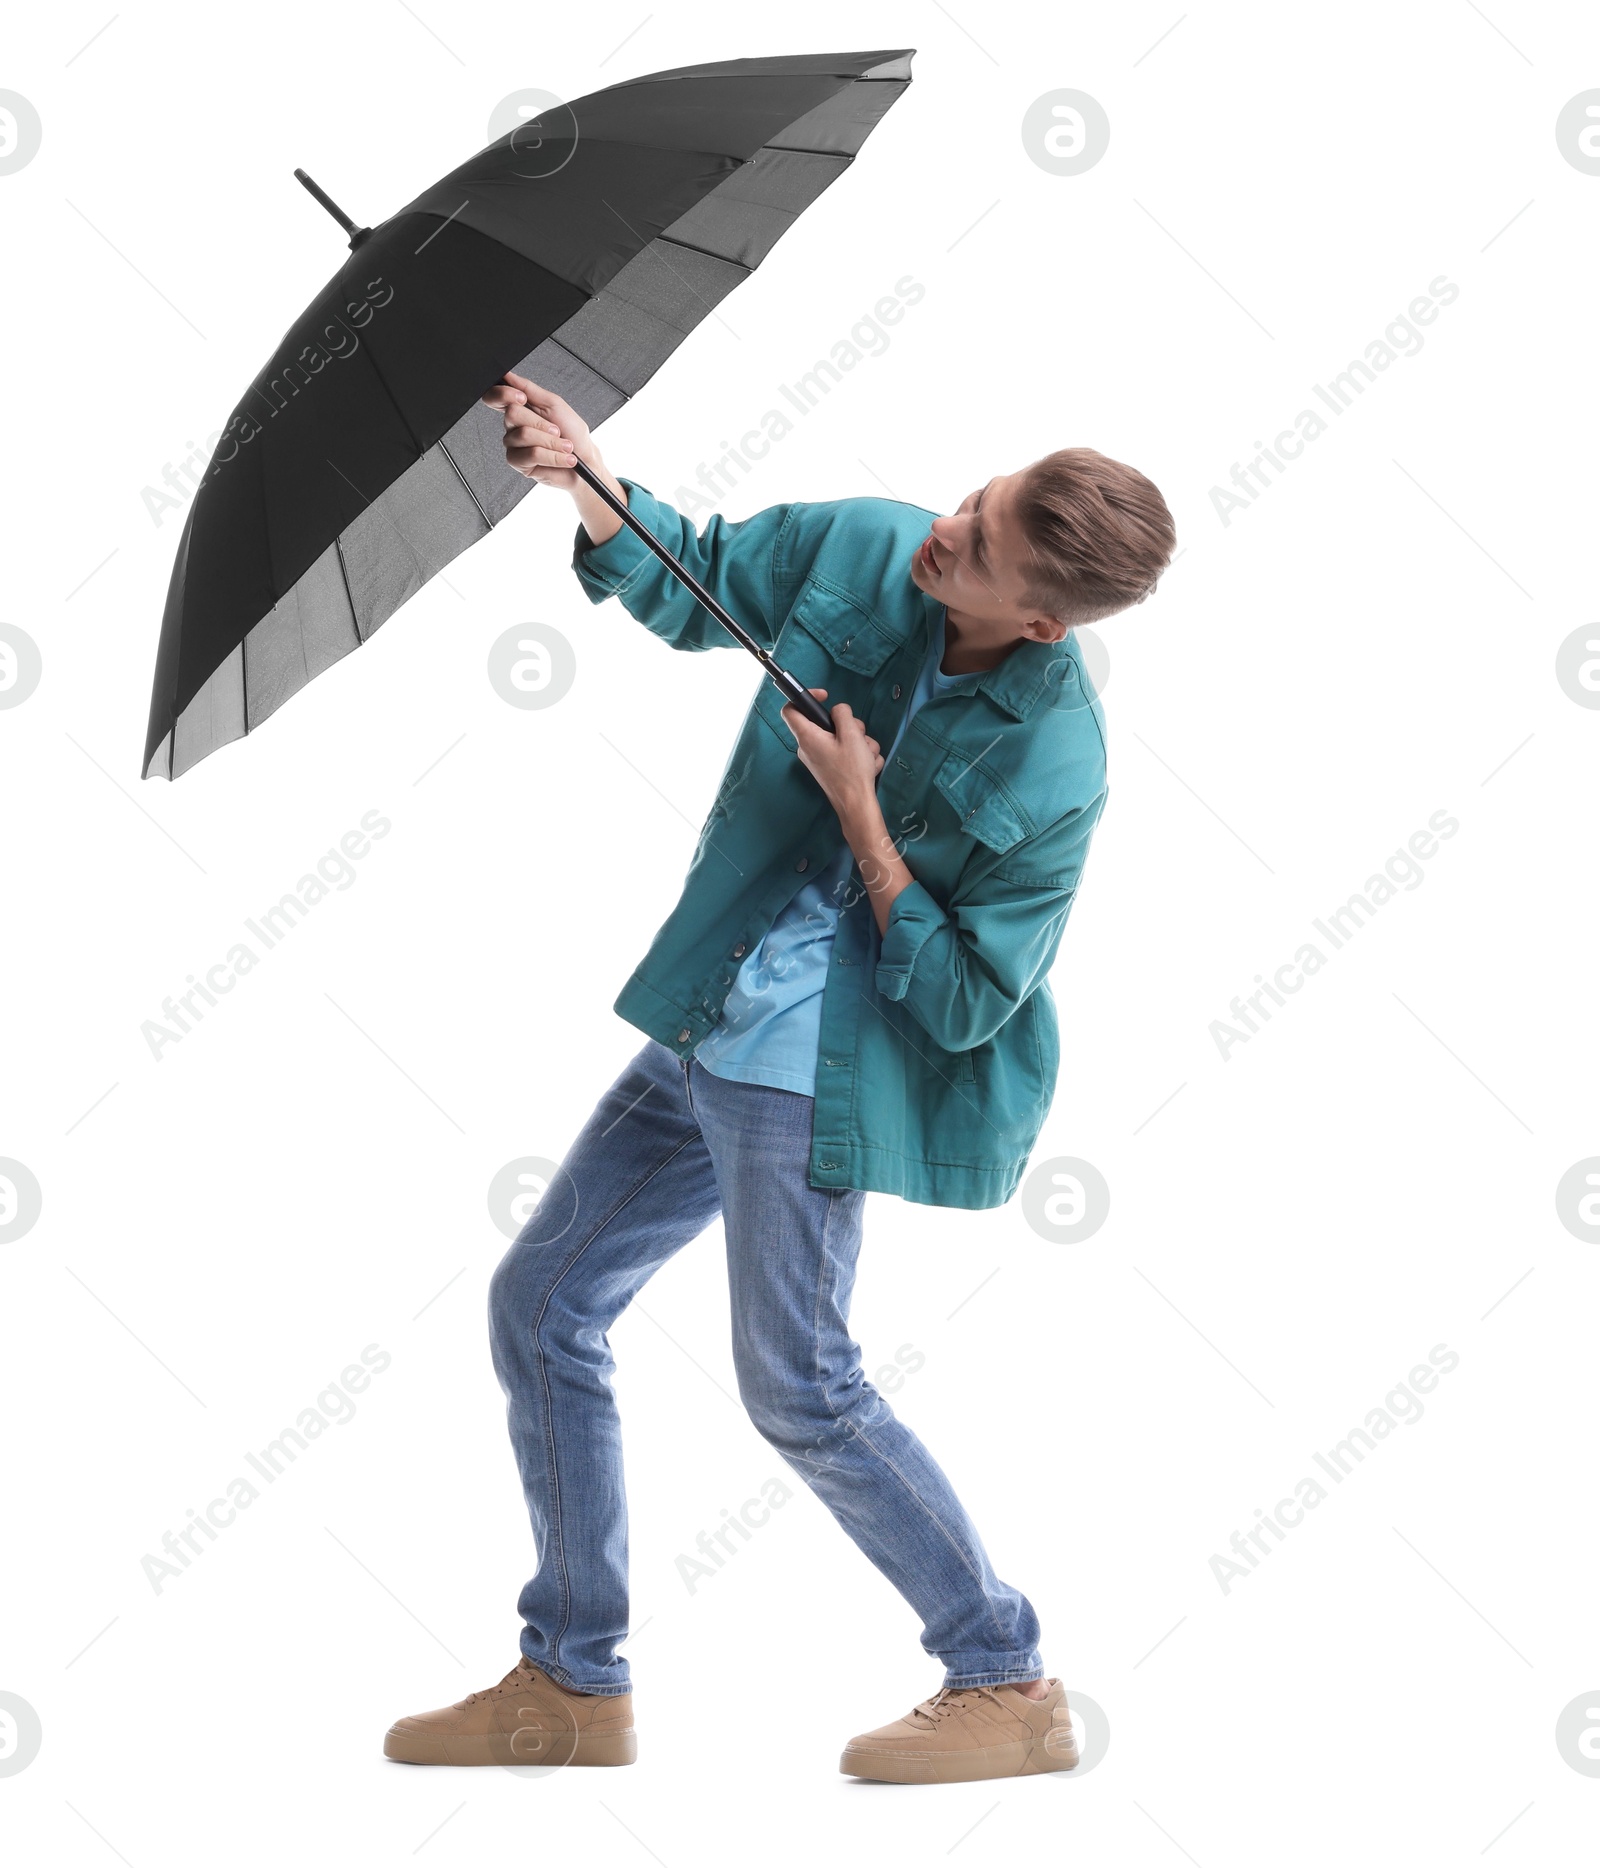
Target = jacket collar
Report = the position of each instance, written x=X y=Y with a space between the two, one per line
x=1019 y=682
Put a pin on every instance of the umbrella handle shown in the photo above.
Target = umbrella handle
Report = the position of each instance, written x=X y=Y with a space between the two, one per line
x=790 y=686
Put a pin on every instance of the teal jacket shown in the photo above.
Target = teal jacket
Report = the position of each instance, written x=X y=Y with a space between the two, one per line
x=939 y=1048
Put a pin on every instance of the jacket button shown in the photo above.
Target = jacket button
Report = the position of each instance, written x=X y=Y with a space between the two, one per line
x=895 y=692
x=848 y=640
x=738 y=952
x=804 y=863
x=683 y=1036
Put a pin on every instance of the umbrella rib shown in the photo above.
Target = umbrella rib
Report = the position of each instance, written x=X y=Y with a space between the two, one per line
x=349 y=594
x=375 y=504
x=797 y=149
x=661 y=240
x=487 y=521
x=626 y=394
x=705 y=252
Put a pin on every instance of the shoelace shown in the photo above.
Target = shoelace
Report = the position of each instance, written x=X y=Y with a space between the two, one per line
x=946 y=1701
x=518 y=1676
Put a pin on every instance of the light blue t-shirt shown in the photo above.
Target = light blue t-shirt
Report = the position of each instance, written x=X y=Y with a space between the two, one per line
x=771 y=1022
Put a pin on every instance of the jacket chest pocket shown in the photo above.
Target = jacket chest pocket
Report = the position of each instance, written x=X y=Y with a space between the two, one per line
x=844 y=627
x=981 y=807
x=944 y=813
x=832 y=641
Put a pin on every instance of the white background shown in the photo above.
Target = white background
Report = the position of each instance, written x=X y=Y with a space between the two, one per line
x=305 y=1173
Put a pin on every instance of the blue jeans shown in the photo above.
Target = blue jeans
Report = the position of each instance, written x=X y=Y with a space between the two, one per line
x=668 y=1148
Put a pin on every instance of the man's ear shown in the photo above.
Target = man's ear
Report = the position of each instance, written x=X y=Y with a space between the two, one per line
x=1045 y=629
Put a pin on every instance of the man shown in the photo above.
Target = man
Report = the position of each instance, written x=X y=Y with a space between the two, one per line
x=850 y=995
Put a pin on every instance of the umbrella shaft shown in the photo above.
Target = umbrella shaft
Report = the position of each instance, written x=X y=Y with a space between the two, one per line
x=799 y=695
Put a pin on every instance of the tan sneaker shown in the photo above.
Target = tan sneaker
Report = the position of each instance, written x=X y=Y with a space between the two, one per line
x=526 y=1719
x=964 y=1733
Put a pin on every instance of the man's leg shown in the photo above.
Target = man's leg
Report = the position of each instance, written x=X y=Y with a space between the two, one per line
x=791 y=1268
x=635 y=1187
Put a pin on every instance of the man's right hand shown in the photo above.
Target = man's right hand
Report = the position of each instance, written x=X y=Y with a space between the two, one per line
x=543 y=433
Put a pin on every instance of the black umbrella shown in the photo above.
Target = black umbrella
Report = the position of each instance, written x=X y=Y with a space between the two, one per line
x=580 y=251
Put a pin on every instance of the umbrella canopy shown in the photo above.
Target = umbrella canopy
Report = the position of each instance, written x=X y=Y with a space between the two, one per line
x=362 y=460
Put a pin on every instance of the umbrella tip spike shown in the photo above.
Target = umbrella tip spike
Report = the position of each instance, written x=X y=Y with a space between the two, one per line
x=357 y=234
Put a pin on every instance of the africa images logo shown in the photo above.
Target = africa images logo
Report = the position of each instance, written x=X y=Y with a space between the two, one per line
x=1402 y=871
x=335 y=873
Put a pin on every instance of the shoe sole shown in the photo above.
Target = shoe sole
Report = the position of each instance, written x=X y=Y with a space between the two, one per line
x=1025 y=1758
x=598 y=1748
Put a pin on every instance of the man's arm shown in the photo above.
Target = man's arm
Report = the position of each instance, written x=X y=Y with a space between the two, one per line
x=961 y=970
x=734 y=559
x=846 y=764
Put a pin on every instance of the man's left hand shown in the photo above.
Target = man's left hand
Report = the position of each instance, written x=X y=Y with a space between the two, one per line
x=845 y=762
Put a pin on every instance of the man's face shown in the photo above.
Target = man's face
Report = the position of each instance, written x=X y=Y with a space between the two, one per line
x=975 y=563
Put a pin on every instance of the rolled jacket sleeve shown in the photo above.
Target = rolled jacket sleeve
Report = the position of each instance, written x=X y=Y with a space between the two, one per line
x=733 y=558
x=962 y=970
